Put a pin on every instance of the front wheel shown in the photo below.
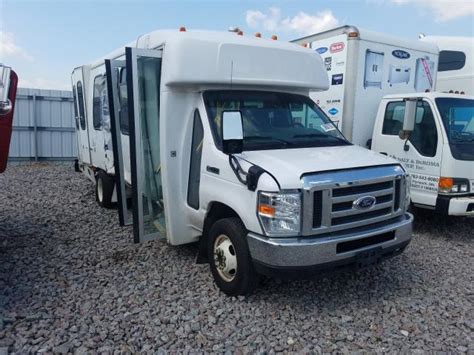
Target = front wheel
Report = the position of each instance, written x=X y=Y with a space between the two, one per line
x=231 y=264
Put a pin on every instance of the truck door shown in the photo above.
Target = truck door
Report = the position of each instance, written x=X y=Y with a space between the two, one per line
x=8 y=85
x=420 y=153
x=81 y=121
x=142 y=69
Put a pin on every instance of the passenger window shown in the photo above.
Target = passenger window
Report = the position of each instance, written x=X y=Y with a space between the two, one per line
x=74 y=99
x=80 y=99
x=451 y=60
x=425 y=135
x=195 y=166
x=123 y=102
x=100 y=106
x=393 y=119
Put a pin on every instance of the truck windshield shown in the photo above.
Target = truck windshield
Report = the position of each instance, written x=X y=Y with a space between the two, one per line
x=458 y=118
x=273 y=120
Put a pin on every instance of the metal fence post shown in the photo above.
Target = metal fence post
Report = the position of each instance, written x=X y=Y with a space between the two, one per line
x=35 y=127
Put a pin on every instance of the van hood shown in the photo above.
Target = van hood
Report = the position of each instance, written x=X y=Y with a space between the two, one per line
x=287 y=165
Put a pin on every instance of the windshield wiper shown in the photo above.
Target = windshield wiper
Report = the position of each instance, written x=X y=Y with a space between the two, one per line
x=249 y=138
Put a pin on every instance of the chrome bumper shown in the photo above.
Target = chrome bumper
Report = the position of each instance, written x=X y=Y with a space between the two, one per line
x=310 y=251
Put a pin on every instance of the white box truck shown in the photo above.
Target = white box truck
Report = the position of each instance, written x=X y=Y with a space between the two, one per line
x=377 y=74
x=456 y=63
x=215 y=139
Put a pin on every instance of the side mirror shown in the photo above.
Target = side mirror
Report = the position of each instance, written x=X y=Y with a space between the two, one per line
x=5 y=104
x=232 y=132
x=410 y=114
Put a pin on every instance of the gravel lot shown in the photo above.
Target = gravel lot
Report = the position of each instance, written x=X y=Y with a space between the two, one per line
x=71 y=280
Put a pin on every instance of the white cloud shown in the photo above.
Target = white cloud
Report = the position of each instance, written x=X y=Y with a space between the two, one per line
x=302 y=23
x=8 y=47
x=443 y=10
x=42 y=83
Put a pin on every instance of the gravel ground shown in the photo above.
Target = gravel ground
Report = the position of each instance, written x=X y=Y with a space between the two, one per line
x=71 y=280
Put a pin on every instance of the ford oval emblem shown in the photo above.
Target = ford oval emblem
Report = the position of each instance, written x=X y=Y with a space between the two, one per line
x=321 y=50
x=400 y=54
x=364 y=202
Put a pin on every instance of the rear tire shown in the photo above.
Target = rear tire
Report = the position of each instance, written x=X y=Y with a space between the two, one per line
x=104 y=189
x=229 y=257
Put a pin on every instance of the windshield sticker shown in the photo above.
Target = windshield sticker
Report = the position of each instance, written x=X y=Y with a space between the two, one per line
x=337 y=79
x=327 y=127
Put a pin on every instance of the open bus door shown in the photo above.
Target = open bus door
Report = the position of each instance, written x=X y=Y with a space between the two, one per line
x=134 y=106
x=8 y=85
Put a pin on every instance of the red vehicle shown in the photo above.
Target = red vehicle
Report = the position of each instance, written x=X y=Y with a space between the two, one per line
x=8 y=85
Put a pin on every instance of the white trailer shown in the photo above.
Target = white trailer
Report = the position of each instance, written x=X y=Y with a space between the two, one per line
x=376 y=74
x=365 y=66
x=456 y=63
x=216 y=140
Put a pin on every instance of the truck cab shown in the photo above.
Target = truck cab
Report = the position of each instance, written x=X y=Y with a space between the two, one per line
x=225 y=147
x=436 y=148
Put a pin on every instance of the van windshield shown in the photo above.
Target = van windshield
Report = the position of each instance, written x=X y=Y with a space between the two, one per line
x=273 y=120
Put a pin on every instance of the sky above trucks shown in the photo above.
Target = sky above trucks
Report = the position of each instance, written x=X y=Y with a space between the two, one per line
x=43 y=40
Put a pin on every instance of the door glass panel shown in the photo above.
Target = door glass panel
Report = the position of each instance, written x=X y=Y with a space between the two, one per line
x=143 y=70
x=149 y=71
x=119 y=145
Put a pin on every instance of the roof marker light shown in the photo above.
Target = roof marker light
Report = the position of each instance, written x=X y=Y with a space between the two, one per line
x=274 y=37
x=353 y=34
x=462 y=93
x=456 y=92
x=304 y=45
x=240 y=33
x=182 y=29
x=258 y=35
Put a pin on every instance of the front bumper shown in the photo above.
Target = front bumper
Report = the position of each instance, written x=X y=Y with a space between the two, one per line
x=323 y=252
x=455 y=206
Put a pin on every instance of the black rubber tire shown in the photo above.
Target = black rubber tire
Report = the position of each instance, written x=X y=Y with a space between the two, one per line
x=246 y=278
x=107 y=189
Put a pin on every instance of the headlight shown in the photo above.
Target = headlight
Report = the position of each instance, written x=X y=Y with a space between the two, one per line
x=280 y=213
x=452 y=185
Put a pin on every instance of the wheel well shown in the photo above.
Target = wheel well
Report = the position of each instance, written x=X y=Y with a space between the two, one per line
x=216 y=212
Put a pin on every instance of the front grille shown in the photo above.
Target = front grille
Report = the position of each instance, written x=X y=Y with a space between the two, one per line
x=339 y=205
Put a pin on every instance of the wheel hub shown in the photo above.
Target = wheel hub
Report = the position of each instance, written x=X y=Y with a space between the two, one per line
x=225 y=258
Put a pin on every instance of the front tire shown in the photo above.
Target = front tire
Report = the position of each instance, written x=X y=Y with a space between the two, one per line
x=230 y=261
x=104 y=189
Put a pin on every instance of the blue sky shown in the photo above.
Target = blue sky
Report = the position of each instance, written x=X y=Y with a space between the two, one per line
x=43 y=40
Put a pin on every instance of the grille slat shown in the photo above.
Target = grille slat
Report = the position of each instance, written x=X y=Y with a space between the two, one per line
x=317 y=208
x=361 y=189
x=360 y=213
x=361 y=216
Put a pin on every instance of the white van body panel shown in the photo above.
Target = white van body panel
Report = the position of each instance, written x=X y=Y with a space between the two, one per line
x=455 y=80
x=372 y=65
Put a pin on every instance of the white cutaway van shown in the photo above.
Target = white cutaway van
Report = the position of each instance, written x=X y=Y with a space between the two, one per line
x=214 y=138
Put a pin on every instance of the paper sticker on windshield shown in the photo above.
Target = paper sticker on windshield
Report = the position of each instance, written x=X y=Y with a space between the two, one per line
x=327 y=127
